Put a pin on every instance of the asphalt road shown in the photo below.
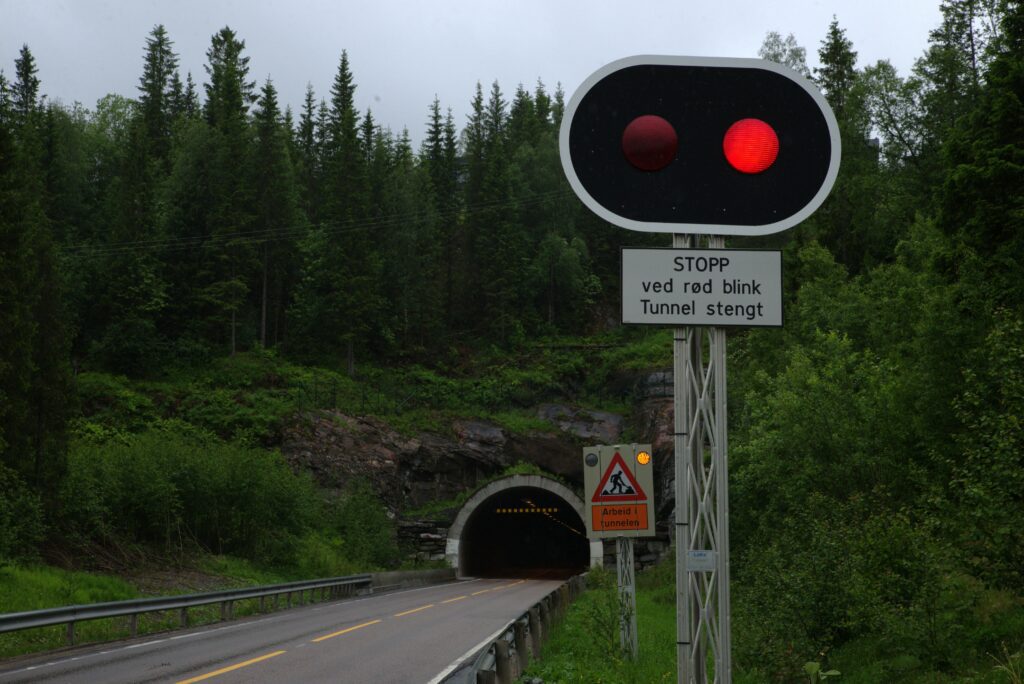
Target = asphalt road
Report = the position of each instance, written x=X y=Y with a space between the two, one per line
x=404 y=637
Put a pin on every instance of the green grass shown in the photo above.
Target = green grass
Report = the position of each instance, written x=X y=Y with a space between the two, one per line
x=584 y=649
x=241 y=572
x=24 y=588
x=37 y=587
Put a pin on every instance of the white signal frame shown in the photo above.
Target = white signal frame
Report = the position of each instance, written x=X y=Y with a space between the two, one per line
x=699 y=228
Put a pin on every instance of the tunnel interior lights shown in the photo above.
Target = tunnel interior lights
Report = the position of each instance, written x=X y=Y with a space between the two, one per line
x=531 y=507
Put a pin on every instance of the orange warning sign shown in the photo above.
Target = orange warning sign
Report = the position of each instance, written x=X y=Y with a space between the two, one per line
x=618 y=480
x=618 y=484
x=619 y=518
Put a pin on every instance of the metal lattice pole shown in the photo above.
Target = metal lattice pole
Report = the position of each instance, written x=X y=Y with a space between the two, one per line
x=702 y=498
x=627 y=596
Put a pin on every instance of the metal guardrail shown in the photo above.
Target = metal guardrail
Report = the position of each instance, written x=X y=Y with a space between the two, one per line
x=334 y=587
x=505 y=659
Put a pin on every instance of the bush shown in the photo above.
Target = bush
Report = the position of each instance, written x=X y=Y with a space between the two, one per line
x=175 y=487
x=111 y=401
x=368 y=533
x=21 y=518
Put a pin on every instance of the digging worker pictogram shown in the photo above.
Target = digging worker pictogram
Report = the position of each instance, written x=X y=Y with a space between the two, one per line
x=618 y=486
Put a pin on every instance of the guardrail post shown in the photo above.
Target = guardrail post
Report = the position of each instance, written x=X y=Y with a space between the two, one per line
x=535 y=631
x=133 y=624
x=545 y=621
x=502 y=662
x=521 y=647
x=71 y=633
x=263 y=603
x=183 y=616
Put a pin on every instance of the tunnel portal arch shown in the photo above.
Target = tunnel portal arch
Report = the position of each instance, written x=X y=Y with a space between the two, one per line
x=464 y=547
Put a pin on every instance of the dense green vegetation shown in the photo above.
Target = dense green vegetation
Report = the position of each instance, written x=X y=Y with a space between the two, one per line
x=181 y=275
x=585 y=647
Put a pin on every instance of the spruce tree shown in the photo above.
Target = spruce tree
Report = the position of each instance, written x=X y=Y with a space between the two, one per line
x=5 y=98
x=277 y=220
x=338 y=294
x=35 y=382
x=231 y=269
x=413 y=287
x=308 y=161
x=25 y=100
x=837 y=72
x=439 y=159
x=846 y=223
x=159 y=92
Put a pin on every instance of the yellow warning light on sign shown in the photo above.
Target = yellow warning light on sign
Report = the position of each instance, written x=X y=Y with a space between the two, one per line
x=643 y=458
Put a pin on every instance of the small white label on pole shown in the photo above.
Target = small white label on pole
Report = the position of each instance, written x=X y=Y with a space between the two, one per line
x=712 y=287
x=700 y=561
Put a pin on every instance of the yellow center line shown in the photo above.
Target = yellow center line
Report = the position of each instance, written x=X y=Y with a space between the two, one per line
x=453 y=600
x=414 y=610
x=482 y=591
x=344 y=631
x=230 y=668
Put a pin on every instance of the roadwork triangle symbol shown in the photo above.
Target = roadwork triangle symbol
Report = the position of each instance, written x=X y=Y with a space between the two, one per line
x=618 y=483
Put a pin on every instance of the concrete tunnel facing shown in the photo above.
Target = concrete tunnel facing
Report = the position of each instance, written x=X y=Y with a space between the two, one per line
x=521 y=526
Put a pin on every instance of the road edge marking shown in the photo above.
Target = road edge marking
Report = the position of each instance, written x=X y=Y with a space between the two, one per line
x=454 y=665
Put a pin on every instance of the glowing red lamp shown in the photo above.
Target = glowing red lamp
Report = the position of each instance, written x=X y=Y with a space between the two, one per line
x=750 y=146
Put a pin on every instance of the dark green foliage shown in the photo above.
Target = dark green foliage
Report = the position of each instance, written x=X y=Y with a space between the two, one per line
x=174 y=488
x=186 y=247
x=24 y=91
x=989 y=481
x=21 y=519
x=160 y=92
x=34 y=371
x=368 y=533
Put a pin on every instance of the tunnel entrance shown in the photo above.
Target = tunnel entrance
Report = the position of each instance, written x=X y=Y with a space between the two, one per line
x=521 y=526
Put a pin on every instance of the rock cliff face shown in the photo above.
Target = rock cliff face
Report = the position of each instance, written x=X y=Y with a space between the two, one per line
x=411 y=471
x=408 y=472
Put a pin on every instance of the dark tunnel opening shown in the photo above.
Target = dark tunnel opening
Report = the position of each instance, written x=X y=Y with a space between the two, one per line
x=524 y=532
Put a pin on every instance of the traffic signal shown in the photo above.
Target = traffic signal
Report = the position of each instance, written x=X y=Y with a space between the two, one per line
x=700 y=145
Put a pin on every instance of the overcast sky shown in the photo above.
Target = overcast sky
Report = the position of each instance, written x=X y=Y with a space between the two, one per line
x=402 y=53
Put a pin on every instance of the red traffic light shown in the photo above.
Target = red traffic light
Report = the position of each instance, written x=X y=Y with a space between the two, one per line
x=699 y=145
x=750 y=146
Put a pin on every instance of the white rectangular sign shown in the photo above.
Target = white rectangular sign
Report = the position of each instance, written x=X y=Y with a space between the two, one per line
x=712 y=287
x=700 y=560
